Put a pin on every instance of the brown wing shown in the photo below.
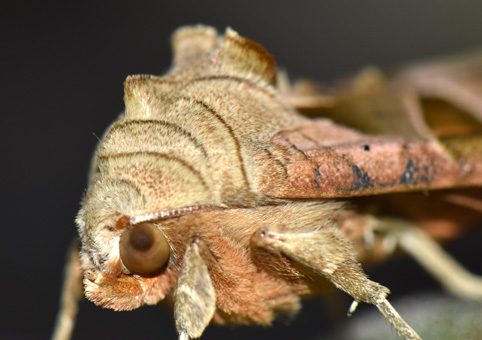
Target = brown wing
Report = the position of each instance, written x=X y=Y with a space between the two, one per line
x=411 y=133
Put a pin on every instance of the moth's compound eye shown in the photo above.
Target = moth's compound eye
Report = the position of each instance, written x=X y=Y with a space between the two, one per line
x=143 y=248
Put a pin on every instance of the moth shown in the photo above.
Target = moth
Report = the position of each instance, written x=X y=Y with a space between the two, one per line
x=230 y=195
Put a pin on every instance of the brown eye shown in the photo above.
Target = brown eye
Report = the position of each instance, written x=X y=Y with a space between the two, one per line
x=143 y=248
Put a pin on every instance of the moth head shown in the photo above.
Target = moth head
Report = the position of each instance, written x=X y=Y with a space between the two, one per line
x=126 y=263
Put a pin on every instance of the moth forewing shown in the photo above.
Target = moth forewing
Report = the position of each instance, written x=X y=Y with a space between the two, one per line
x=213 y=191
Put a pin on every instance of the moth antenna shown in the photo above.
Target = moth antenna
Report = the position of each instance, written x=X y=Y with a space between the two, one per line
x=165 y=214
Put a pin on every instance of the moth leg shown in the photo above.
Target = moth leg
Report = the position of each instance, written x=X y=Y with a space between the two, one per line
x=370 y=233
x=433 y=258
x=195 y=297
x=71 y=294
x=326 y=252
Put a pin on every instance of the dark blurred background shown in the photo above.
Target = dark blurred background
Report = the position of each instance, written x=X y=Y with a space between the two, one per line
x=63 y=65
